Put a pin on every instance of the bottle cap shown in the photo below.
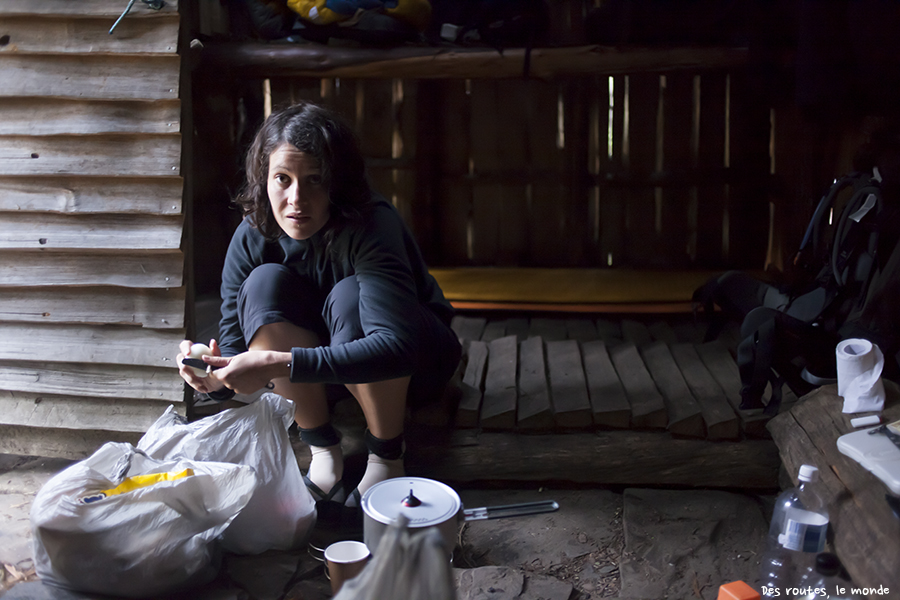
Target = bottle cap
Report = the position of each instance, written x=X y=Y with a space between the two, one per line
x=828 y=563
x=808 y=473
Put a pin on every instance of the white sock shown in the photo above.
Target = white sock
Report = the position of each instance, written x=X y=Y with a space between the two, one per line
x=326 y=467
x=379 y=469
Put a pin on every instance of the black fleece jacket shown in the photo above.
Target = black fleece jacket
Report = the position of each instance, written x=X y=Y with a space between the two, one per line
x=394 y=285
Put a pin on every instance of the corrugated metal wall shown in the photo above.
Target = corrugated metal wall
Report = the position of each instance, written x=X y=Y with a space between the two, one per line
x=92 y=294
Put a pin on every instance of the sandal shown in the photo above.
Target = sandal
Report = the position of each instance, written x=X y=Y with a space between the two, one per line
x=353 y=512
x=328 y=506
x=354 y=499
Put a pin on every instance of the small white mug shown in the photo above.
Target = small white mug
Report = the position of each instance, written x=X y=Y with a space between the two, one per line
x=344 y=561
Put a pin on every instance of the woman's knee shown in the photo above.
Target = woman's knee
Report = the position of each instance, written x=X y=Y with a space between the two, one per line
x=282 y=336
x=273 y=293
x=267 y=286
x=341 y=312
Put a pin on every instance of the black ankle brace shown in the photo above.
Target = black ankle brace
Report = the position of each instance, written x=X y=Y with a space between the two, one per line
x=391 y=449
x=323 y=435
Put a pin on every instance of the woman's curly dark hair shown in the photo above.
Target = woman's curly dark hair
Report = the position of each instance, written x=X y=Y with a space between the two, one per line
x=325 y=136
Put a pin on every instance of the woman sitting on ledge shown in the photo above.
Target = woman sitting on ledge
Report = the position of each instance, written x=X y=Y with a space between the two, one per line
x=324 y=284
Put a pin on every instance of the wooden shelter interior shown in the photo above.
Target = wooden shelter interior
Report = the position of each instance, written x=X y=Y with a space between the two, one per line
x=644 y=150
x=569 y=199
x=570 y=211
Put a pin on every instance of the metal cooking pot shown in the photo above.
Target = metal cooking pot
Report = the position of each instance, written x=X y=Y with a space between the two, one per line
x=428 y=503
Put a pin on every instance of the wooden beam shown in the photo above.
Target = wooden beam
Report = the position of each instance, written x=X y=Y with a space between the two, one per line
x=498 y=409
x=468 y=328
x=604 y=458
x=663 y=332
x=135 y=155
x=609 y=403
x=564 y=286
x=30 y=409
x=484 y=154
x=721 y=421
x=571 y=405
x=534 y=409
x=648 y=409
x=154 y=308
x=93 y=380
x=288 y=60
x=550 y=330
x=655 y=308
x=685 y=417
x=54 y=116
x=517 y=326
x=153 y=195
x=581 y=329
x=102 y=77
x=85 y=8
x=636 y=333
x=472 y=384
x=121 y=267
x=63 y=34
x=108 y=344
x=71 y=444
x=722 y=367
x=610 y=331
x=21 y=231
x=494 y=330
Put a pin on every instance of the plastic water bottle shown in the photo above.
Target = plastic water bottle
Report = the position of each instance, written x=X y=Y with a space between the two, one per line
x=805 y=524
x=775 y=572
x=826 y=581
x=796 y=536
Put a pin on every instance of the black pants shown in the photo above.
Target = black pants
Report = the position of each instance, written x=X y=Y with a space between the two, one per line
x=273 y=293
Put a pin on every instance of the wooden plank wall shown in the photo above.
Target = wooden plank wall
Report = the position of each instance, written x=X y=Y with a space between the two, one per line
x=92 y=290
x=632 y=171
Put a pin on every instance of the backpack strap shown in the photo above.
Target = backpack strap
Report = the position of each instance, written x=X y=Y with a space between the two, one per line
x=703 y=298
x=813 y=245
x=755 y=358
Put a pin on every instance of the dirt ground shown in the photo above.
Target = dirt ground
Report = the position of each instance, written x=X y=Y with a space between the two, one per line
x=629 y=543
x=601 y=543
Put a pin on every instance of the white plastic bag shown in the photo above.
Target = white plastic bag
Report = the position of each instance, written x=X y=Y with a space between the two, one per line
x=92 y=534
x=282 y=512
x=409 y=566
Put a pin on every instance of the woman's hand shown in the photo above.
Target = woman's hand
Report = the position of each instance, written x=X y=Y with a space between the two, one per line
x=201 y=384
x=249 y=371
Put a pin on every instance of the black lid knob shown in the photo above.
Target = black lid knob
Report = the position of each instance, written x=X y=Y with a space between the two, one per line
x=411 y=500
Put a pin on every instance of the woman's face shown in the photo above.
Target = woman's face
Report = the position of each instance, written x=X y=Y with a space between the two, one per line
x=298 y=197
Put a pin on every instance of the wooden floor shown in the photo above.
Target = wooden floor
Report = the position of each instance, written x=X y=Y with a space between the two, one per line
x=634 y=400
x=570 y=373
x=620 y=399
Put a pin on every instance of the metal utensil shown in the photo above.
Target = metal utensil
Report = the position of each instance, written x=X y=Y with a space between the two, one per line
x=199 y=364
x=509 y=510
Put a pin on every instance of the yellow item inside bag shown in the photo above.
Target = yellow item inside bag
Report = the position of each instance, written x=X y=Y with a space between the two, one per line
x=134 y=483
x=416 y=13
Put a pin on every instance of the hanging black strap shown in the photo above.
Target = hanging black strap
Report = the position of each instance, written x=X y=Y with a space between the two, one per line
x=755 y=355
x=703 y=299
x=756 y=363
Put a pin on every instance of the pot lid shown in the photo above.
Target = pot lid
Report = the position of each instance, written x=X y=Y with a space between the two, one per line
x=424 y=502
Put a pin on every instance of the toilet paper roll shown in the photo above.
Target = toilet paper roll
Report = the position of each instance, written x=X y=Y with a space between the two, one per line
x=859 y=365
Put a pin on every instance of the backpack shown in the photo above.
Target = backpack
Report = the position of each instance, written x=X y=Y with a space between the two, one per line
x=499 y=24
x=843 y=286
x=847 y=257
